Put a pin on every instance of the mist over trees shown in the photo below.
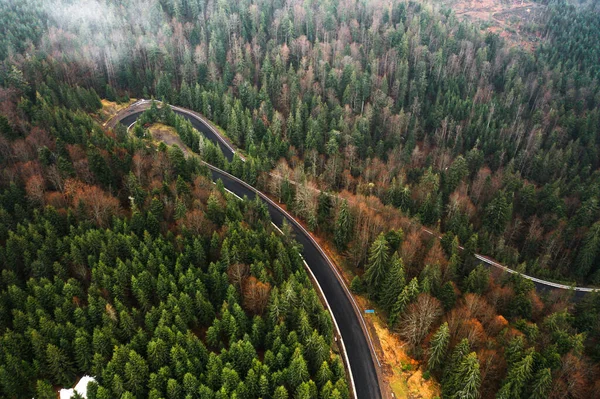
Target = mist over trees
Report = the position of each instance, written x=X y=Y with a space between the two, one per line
x=372 y=119
x=446 y=122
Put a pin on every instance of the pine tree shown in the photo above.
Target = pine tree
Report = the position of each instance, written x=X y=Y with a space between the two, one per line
x=461 y=350
x=542 y=383
x=59 y=365
x=378 y=265
x=342 y=227
x=438 y=346
x=136 y=373
x=298 y=371
x=394 y=283
x=44 y=390
x=589 y=251
x=280 y=393
x=498 y=213
x=323 y=375
x=467 y=379
x=517 y=379
x=408 y=294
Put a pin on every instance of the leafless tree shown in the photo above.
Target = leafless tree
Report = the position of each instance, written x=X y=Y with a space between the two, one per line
x=418 y=319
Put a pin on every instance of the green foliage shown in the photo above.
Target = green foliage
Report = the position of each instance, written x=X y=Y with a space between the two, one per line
x=438 y=346
x=378 y=265
x=356 y=286
x=342 y=227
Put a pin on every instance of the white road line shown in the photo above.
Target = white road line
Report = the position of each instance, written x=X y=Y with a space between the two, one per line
x=509 y=270
x=337 y=328
x=236 y=196
x=280 y=231
x=129 y=127
x=289 y=217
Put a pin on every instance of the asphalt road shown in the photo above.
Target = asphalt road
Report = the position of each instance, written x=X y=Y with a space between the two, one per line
x=198 y=125
x=359 y=354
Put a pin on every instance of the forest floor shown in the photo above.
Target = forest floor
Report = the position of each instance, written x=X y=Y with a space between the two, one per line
x=513 y=20
x=167 y=135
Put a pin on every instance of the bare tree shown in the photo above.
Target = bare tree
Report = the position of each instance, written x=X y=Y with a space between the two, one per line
x=237 y=273
x=418 y=319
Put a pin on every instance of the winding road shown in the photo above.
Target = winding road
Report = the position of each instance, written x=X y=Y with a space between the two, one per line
x=357 y=349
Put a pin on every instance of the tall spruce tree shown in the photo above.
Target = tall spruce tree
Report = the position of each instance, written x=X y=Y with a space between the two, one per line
x=438 y=346
x=378 y=265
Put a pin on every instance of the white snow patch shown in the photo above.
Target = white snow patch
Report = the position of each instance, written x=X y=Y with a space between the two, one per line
x=81 y=388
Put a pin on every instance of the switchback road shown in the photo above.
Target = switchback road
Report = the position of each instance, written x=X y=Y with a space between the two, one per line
x=359 y=355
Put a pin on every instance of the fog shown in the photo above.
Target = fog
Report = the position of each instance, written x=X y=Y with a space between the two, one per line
x=96 y=33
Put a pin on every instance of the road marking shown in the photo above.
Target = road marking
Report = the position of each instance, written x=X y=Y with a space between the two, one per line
x=313 y=241
x=236 y=196
x=509 y=270
x=280 y=231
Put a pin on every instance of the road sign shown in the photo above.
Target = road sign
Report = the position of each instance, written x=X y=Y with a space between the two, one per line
x=369 y=311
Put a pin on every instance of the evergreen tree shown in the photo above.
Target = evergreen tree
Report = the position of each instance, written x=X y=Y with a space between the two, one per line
x=378 y=265
x=342 y=227
x=438 y=346
x=498 y=213
x=394 y=283
x=542 y=383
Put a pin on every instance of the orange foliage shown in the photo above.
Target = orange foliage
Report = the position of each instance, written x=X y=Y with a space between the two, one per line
x=493 y=368
x=436 y=255
x=98 y=205
x=35 y=188
x=196 y=222
x=571 y=381
x=56 y=199
x=39 y=138
x=255 y=295
x=410 y=247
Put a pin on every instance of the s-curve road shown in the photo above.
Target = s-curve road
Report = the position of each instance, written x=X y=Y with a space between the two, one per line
x=359 y=356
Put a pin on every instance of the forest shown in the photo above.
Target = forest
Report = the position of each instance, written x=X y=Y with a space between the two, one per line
x=123 y=260
x=410 y=105
x=369 y=120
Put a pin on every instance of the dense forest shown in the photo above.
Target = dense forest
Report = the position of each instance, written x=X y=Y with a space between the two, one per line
x=368 y=120
x=410 y=105
x=124 y=261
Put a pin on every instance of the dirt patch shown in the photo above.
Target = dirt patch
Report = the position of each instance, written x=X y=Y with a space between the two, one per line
x=513 y=20
x=167 y=135
x=403 y=374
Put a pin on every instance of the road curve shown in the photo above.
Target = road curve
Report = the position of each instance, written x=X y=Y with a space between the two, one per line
x=360 y=354
x=538 y=282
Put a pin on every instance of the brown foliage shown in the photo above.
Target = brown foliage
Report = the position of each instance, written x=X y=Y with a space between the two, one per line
x=39 y=138
x=35 y=188
x=196 y=222
x=410 y=247
x=571 y=381
x=56 y=199
x=255 y=295
x=493 y=368
x=436 y=255
x=471 y=319
x=98 y=205
x=418 y=319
